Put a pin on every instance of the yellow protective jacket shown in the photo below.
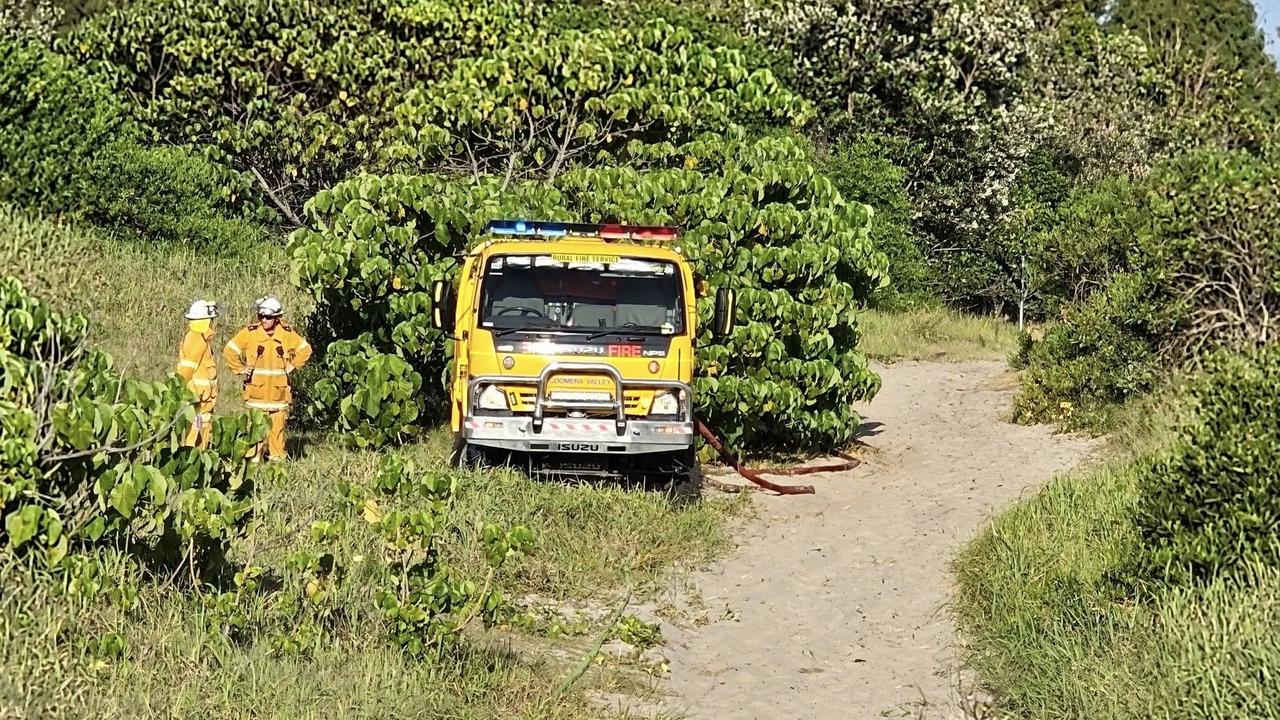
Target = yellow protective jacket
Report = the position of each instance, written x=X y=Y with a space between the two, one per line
x=268 y=358
x=198 y=367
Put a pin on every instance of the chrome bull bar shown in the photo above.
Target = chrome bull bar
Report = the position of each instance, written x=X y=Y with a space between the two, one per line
x=617 y=405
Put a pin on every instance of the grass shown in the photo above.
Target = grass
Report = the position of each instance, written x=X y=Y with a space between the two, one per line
x=1056 y=629
x=592 y=540
x=135 y=294
x=52 y=665
x=1051 y=637
x=935 y=334
x=56 y=653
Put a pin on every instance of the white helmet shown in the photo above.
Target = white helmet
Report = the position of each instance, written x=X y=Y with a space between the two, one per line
x=269 y=307
x=202 y=310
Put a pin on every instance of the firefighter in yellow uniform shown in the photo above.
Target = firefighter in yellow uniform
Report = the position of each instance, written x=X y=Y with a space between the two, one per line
x=264 y=354
x=198 y=367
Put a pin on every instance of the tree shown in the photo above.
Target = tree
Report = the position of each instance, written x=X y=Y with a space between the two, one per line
x=292 y=92
x=946 y=77
x=1223 y=87
x=756 y=217
x=564 y=98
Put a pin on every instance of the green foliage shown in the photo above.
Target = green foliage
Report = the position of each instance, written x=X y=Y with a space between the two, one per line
x=1209 y=506
x=638 y=633
x=1187 y=262
x=1086 y=240
x=370 y=396
x=55 y=119
x=92 y=457
x=1225 y=30
x=424 y=601
x=1213 y=248
x=171 y=194
x=562 y=98
x=68 y=146
x=758 y=219
x=906 y=71
x=1103 y=353
x=863 y=170
x=295 y=91
x=1052 y=634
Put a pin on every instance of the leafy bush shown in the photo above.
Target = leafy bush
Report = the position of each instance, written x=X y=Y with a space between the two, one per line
x=89 y=456
x=55 y=119
x=68 y=146
x=758 y=219
x=292 y=90
x=565 y=98
x=170 y=193
x=376 y=396
x=425 y=602
x=1192 y=259
x=1104 y=352
x=1210 y=505
x=1087 y=239
x=963 y=131
x=863 y=170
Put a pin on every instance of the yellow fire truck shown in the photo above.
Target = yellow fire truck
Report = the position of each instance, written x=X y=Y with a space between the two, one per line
x=574 y=349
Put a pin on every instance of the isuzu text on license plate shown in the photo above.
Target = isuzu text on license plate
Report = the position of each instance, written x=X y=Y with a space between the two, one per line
x=577 y=447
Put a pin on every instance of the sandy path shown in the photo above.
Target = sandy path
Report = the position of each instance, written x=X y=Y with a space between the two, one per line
x=834 y=605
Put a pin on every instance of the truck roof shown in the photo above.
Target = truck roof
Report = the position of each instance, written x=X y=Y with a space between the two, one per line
x=576 y=246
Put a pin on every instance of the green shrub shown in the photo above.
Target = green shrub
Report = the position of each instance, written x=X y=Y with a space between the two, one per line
x=55 y=120
x=1104 y=353
x=67 y=146
x=1192 y=259
x=1210 y=506
x=863 y=170
x=295 y=90
x=169 y=194
x=1086 y=240
x=88 y=456
x=371 y=397
x=564 y=98
x=758 y=219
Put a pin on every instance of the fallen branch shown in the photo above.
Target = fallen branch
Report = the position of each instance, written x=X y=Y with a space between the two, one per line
x=275 y=200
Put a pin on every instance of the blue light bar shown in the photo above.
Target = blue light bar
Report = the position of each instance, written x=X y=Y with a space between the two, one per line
x=527 y=228
x=608 y=231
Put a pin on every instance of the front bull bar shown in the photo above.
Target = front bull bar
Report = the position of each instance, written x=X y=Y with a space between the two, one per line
x=617 y=405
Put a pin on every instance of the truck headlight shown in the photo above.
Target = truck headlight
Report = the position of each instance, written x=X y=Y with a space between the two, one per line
x=492 y=398
x=667 y=403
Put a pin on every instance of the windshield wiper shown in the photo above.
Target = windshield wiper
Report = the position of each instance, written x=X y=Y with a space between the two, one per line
x=524 y=328
x=639 y=330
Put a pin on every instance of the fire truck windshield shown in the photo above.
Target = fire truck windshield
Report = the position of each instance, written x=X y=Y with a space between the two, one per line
x=598 y=294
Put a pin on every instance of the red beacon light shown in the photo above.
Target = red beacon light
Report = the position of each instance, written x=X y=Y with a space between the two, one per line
x=647 y=233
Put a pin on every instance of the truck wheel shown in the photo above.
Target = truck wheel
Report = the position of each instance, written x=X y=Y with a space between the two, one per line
x=688 y=477
x=466 y=456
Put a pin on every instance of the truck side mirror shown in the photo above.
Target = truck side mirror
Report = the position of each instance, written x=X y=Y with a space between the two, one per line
x=726 y=304
x=442 y=307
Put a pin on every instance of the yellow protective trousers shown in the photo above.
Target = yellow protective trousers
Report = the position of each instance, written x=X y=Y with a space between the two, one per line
x=274 y=446
x=197 y=366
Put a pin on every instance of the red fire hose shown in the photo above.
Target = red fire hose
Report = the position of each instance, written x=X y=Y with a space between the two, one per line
x=754 y=476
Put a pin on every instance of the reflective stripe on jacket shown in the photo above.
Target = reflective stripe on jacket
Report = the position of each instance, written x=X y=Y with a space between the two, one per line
x=268 y=358
x=197 y=366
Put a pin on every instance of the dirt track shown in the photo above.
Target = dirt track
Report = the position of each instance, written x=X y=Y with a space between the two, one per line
x=834 y=605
